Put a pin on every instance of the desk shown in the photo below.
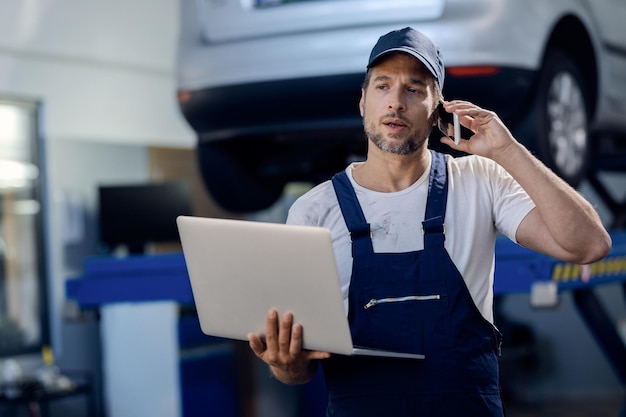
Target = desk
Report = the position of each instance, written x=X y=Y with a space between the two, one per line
x=33 y=396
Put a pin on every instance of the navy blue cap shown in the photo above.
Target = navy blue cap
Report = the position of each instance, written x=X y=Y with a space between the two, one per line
x=412 y=42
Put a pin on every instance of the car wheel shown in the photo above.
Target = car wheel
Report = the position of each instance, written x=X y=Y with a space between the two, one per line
x=232 y=176
x=561 y=118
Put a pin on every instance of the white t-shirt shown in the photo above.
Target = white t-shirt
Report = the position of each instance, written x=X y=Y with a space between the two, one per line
x=483 y=199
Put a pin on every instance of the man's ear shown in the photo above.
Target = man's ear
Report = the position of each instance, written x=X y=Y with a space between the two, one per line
x=435 y=115
x=362 y=102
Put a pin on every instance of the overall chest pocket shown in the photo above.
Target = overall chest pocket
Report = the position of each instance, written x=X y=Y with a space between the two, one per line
x=403 y=319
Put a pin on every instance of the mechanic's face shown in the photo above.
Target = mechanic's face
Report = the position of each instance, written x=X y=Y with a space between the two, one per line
x=398 y=103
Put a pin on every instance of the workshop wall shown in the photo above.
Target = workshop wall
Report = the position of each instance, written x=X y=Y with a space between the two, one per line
x=104 y=70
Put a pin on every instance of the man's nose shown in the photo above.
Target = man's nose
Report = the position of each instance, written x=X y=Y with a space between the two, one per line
x=396 y=100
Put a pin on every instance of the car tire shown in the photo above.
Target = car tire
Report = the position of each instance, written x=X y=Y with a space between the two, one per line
x=558 y=123
x=233 y=179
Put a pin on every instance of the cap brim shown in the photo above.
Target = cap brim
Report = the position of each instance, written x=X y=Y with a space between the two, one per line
x=408 y=51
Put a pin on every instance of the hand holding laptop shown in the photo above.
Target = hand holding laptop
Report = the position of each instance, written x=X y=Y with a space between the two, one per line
x=241 y=269
x=281 y=348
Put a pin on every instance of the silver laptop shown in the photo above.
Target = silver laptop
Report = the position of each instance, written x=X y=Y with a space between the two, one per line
x=240 y=269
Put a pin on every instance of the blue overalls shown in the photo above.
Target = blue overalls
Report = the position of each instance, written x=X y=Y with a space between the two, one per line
x=413 y=302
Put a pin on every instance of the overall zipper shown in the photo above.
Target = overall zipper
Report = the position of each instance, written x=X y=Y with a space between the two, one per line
x=374 y=301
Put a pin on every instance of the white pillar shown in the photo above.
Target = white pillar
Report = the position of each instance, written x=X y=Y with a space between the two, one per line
x=141 y=359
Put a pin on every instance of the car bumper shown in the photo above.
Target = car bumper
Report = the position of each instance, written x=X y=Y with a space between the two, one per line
x=308 y=106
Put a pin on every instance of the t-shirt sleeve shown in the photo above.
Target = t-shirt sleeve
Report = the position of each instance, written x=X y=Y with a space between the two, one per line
x=295 y=215
x=511 y=203
x=305 y=211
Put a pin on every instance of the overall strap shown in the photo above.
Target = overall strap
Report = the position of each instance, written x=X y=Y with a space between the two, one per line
x=436 y=203
x=352 y=214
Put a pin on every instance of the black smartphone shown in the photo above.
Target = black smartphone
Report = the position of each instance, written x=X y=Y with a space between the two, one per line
x=448 y=124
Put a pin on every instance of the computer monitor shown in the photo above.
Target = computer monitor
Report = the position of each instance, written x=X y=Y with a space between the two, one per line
x=136 y=214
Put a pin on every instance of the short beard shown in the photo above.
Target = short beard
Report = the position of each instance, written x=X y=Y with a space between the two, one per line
x=406 y=147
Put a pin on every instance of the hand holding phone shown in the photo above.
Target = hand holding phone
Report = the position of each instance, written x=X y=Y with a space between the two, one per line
x=448 y=124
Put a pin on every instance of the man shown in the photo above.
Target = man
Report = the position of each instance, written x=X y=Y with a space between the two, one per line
x=414 y=235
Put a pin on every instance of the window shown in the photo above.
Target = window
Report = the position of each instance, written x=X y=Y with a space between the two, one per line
x=23 y=312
